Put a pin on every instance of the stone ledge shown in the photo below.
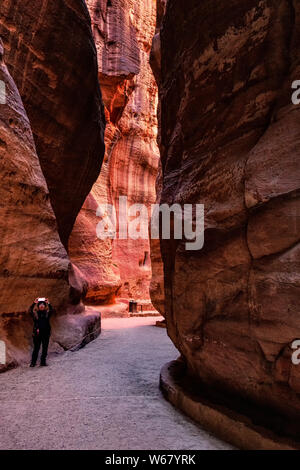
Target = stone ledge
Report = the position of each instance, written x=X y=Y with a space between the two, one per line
x=224 y=423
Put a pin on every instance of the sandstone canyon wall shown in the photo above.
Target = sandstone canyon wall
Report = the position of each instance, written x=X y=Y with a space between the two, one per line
x=51 y=55
x=230 y=139
x=157 y=290
x=51 y=146
x=123 y=32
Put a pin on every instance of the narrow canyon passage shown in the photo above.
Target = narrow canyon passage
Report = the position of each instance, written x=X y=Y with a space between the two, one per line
x=104 y=396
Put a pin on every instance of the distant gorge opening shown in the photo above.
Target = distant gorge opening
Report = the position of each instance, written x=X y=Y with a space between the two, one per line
x=119 y=270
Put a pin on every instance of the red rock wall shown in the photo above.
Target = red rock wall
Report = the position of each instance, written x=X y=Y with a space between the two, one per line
x=157 y=284
x=31 y=252
x=123 y=33
x=230 y=139
x=49 y=51
x=51 y=153
x=157 y=288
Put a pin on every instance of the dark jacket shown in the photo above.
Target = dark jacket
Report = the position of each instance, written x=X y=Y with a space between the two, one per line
x=41 y=319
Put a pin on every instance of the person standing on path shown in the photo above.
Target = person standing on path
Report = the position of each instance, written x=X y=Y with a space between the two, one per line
x=41 y=311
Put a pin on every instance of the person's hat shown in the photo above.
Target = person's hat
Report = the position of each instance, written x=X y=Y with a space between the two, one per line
x=43 y=300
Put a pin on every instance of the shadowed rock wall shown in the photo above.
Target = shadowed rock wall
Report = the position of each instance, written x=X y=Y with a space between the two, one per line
x=51 y=155
x=230 y=140
x=51 y=55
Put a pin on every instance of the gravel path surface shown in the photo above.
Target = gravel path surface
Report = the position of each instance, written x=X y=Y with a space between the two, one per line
x=104 y=396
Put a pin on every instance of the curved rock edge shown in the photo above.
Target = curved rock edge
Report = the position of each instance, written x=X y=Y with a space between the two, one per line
x=223 y=422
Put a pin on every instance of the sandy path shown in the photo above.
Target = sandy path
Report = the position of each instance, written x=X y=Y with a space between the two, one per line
x=104 y=396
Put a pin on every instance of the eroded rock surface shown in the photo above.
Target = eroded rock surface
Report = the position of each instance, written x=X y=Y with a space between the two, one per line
x=51 y=55
x=157 y=285
x=33 y=259
x=51 y=156
x=230 y=140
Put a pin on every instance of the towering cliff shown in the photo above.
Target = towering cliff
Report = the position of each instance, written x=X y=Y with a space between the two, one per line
x=51 y=154
x=230 y=140
x=51 y=55
x=157 y=289
x=123 y=32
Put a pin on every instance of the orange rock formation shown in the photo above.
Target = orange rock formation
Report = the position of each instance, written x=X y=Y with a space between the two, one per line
x=123 y=32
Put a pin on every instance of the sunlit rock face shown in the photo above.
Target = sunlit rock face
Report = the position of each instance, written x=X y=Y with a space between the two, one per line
x=51 y=55
x=123 y=33
x=230 y=140
x=157 y=289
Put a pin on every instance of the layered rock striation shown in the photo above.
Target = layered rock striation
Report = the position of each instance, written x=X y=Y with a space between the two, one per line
x=230 y=140
x=51 y=144
x=123 y=33
x=51 y=55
